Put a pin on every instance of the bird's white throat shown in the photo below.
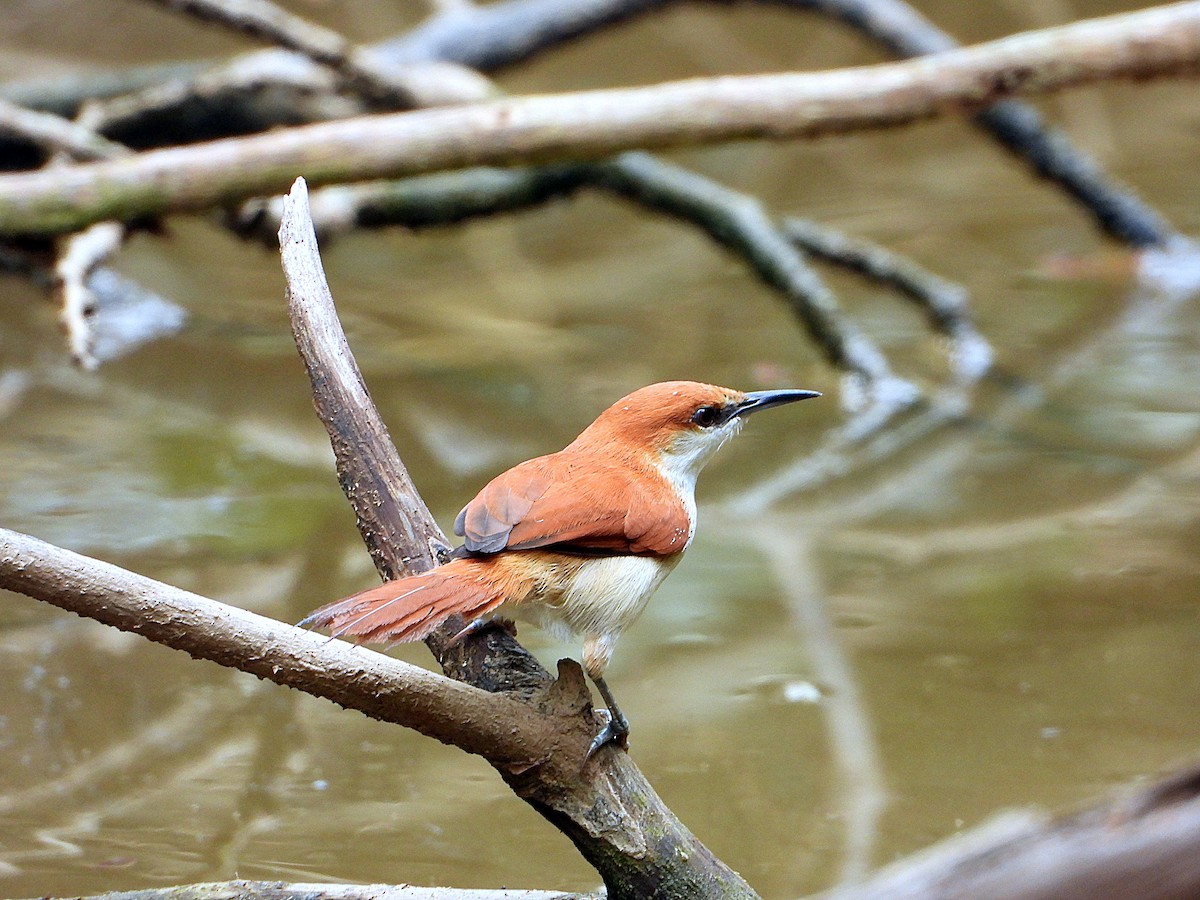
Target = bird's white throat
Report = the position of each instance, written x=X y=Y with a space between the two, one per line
x=687 y=454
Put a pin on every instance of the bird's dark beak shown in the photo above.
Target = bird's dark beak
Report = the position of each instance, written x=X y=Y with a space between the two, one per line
x=757 y=400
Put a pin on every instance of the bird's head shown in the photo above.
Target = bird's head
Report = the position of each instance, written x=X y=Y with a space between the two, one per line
x=681 y=424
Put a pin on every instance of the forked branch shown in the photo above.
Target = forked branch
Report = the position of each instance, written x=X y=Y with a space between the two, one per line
x=607 y=809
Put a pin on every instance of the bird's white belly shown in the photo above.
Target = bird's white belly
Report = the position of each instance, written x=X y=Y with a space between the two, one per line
x=603 y=597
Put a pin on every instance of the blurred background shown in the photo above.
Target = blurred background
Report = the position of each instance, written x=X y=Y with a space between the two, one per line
x=999 y=613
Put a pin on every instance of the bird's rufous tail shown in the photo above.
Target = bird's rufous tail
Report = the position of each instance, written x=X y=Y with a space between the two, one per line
x=408 y=609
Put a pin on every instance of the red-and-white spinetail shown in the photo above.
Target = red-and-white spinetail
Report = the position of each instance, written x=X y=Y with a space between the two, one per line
x=576 y=541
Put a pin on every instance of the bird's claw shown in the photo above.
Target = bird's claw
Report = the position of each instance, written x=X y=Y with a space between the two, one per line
x=614 y=732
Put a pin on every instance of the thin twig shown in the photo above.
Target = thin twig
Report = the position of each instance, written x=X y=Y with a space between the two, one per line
x=739 y=221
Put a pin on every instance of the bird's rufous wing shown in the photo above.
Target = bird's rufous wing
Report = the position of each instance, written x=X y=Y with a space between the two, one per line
x=580 y=506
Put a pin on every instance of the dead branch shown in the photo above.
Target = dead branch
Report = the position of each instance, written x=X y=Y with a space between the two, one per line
x=263 y=19
x=943 y=302
x=104 y=313
x=387 y=500
x=731 y=218
x=370 y=682
x=740 y=222
x=1018 y=127
x=1144 y=44
x=608 y=810
x=55 y=134
x=501 y=34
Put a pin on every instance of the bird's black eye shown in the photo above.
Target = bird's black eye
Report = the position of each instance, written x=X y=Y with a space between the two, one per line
x=706 y=416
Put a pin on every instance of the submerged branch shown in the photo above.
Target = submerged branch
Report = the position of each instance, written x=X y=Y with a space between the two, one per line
x=80 y=256
x=1145 y=44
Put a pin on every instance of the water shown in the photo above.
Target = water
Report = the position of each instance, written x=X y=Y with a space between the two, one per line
x=861 y=654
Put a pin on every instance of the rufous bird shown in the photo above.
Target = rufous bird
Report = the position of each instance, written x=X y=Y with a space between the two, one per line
x=576 y=541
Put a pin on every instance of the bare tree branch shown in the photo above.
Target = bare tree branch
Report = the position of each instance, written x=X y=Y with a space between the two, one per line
x=265 y=20
x=104 y=313
x=608 y=809
x=731 y=218
x=506 y=32
x=56 y=134
x=501 y=34
x=1145 y=44
x=492 y=725
x=944 y=302
x=1018 y=127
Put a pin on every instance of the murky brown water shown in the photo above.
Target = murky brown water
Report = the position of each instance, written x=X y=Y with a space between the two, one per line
x=1002 y=612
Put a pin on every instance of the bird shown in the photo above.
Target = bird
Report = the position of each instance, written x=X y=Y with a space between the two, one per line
x=574 y=542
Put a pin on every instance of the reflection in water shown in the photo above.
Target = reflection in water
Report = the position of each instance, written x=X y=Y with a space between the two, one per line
x=852 y=743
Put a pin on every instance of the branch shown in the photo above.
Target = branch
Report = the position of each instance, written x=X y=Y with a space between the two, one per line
x=1018 y=127
x=607 y=809
x=943 y=302
x=55 y=134
x=739 y=221
x=509 y=31
x=104 y=313
x=263 y=19
x=501 y=34
x=1145 y=44
x=396 y=525
x=502 y=730
x=388 y=497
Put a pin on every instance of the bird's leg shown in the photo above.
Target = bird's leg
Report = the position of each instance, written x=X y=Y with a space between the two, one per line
x=616 y=729
x=483 y=623
x=597 y=649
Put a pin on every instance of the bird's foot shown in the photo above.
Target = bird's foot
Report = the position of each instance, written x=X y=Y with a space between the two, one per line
x=615 y=731
x=483 y=624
